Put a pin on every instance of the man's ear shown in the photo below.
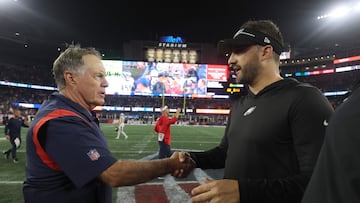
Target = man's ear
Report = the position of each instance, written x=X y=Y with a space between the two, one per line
x=267 y=52
x=69 y=77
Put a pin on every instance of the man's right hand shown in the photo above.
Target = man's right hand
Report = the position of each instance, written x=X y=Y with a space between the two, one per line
x=187 y=164
x=178 y=110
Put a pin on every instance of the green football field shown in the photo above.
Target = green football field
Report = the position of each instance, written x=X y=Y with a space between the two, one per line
x=141 y=143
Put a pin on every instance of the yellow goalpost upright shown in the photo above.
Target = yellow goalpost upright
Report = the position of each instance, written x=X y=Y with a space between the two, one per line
x=183 y=107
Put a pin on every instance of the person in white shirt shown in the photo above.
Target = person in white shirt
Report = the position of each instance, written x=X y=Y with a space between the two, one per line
x=120 y=128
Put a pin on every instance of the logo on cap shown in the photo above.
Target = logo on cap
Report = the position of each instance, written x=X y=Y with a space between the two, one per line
x=266 y=40
x=241 y=32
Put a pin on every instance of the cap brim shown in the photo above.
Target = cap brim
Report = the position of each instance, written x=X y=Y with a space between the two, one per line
x=227 y=46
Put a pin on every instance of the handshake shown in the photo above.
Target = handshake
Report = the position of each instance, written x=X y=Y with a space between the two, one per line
x=181 y=164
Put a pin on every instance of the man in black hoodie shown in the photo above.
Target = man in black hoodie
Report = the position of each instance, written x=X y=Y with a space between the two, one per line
x=336 y=177
x=274 y=133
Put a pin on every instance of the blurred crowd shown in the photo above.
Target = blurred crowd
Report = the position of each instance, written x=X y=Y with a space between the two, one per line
x=42 y=75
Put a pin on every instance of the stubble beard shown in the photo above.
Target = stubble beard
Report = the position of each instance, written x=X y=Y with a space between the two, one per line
x=249 y=72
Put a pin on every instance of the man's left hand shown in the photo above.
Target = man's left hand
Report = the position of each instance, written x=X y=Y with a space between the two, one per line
x=217 y=191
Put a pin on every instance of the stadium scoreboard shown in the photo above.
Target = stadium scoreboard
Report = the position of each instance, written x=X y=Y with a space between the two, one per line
x=234 y=88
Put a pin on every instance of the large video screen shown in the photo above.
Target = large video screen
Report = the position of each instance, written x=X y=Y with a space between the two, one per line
x=157 y=79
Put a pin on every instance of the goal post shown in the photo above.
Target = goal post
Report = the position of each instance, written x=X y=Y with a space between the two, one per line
x=183 y=112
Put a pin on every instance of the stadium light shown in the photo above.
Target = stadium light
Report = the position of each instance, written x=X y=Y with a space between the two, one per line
x=7 y=2
x=337 y=12
x=341 y=11
x=357 y=7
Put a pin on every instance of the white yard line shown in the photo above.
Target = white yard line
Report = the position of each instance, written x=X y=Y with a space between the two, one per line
x=126 y=195
x=11 y=182
x=200 y=175
x=143 y=143
x=174 y=192
x=172 y=189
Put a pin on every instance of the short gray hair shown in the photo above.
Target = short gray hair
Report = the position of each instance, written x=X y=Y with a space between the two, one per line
x=71 y=60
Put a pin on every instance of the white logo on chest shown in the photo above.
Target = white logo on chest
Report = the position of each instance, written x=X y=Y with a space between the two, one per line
x=249 y=111
x=325 y=123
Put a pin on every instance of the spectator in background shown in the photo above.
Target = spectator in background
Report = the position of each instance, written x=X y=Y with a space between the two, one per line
x=13 y=134
x=68 y=159
x=336 y=176
x=162 y=128
x=274 y=133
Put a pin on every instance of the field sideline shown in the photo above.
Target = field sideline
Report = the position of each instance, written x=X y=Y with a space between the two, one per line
x=141 y=144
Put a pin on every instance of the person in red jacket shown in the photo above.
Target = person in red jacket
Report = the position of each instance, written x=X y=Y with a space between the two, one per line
x=162 y=128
